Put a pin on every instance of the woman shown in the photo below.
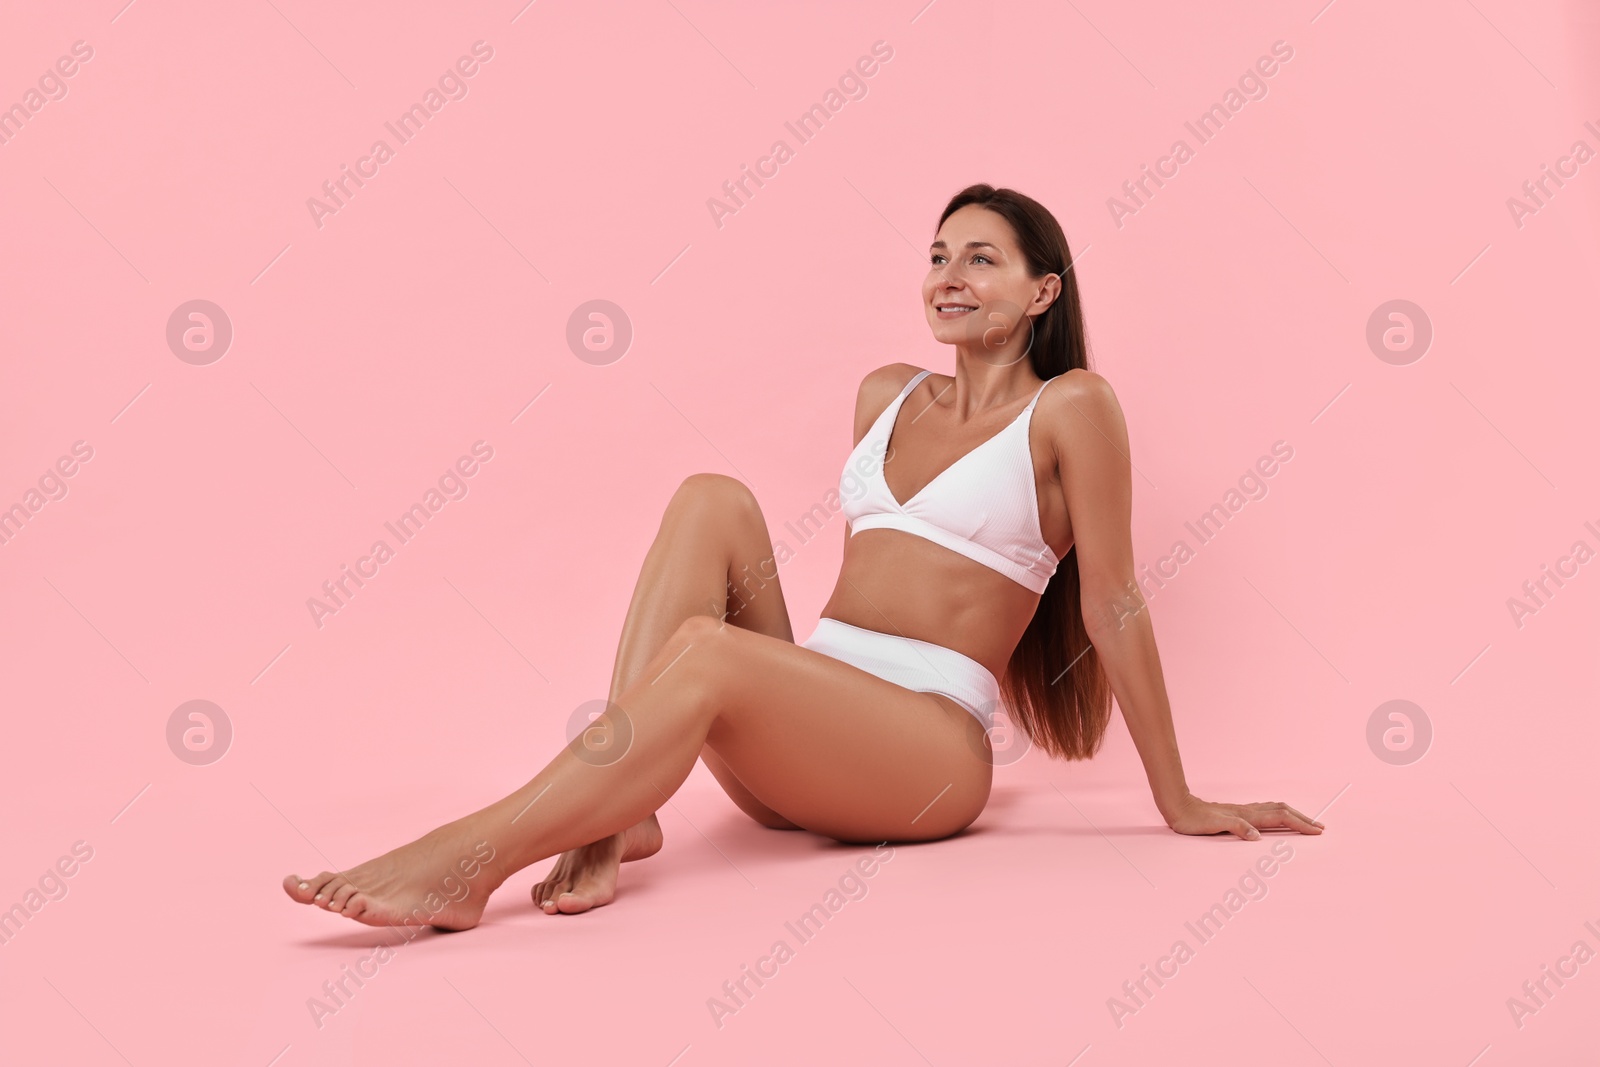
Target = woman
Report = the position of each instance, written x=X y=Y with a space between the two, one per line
x=990 y=542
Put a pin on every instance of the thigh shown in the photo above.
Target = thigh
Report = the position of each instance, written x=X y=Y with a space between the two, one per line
x=717 y=506
x=839 y=751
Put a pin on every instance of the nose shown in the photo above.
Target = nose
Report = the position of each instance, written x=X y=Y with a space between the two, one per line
x=949 y=281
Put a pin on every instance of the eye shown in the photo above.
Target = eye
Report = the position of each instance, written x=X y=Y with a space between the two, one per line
x=936 y=258
x=983 y=257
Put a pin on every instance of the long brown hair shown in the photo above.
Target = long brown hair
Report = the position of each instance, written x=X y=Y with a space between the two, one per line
x=1054 y=686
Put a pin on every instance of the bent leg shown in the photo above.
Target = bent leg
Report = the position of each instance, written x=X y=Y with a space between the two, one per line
x=711 y=556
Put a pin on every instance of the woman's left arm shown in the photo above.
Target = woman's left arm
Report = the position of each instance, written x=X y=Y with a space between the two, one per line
x=1091 y=440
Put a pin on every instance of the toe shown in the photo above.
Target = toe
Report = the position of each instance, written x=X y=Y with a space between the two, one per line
x=317 y=885
x=324 y=893
x=546 y=893
x=341 y=897
x=354 y=907
x=587 y=893
x=573 y=903
x=307 y=890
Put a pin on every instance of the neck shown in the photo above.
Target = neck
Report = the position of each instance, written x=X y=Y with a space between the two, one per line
x=984 y=381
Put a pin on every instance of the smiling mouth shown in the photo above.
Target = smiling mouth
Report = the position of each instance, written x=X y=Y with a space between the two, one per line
x=954 y=308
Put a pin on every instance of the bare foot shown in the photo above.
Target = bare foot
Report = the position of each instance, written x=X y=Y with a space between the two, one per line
x=586 y=877
x=442 y=879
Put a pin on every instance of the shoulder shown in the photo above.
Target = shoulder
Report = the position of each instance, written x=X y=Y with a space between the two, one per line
x=1078 y=385
x=1077 y=392
x=877 y=390
x=885 y=383
x=1079 y=408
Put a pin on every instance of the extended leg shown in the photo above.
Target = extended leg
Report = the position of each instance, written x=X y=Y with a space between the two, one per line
x=839 y=751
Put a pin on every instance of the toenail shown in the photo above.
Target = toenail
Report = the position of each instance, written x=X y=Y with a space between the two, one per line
x=303 y=885
x=548 y=903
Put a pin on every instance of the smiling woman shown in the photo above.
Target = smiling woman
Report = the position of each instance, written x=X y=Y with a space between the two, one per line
x=987 y=558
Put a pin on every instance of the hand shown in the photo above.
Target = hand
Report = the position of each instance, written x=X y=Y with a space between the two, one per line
x=1195 y=816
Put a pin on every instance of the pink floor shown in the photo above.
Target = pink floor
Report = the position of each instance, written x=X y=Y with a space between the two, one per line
x=187 y=498
x=1009 y=944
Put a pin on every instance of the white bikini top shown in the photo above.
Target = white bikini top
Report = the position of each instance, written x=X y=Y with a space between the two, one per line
x=984 y=505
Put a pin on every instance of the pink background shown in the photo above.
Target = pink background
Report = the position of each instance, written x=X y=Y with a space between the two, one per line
x=1230 y=312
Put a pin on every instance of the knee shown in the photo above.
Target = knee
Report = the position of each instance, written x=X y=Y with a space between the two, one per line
x=697 y=655
x=725 y=494
x=699 y=630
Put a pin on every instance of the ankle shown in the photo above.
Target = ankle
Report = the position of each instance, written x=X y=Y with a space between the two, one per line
x=466 y=855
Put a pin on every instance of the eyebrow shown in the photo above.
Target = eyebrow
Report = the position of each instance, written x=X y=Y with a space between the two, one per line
x=970 y=244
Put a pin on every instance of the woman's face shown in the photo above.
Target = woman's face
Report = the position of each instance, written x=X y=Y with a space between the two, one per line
x=977 y=268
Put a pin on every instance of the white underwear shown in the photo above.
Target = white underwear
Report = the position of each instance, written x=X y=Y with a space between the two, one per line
x=920 y=666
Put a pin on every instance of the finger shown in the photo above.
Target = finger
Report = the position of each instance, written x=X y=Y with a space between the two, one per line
x=1301 y=820
x=1282 y=815
x=1243 y=828
x=1303 y=817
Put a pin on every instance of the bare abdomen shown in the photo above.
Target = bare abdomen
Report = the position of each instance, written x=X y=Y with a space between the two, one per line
x=902 y=584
